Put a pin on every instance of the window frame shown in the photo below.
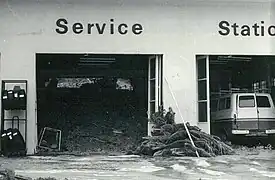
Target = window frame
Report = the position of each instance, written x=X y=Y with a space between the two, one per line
x=239 y=100
x=263 y=96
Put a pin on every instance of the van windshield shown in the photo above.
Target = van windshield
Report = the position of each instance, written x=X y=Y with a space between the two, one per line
x=263 y=101
x=246 y=101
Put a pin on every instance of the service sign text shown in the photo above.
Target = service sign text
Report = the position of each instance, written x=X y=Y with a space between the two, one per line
x=110 y=27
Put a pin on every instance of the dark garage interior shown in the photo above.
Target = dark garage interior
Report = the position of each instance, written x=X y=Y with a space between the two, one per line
x=241 y=74
x=245 y=74
x=95 y=100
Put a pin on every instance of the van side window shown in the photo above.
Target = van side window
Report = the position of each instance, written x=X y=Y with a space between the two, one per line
x=222 y=104
x=228 y=103
x=214 y=105
x=246 y=101
x=225 y=103
x=263 y=101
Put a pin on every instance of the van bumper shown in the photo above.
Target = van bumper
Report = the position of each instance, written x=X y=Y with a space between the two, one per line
x=253 y=132
x=270 y=131
x=240 y=132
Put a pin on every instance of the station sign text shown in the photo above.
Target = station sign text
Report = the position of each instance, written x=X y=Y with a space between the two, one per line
x=227 y=28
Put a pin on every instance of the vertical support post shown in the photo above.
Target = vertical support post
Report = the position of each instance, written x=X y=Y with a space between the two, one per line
x=208 y=92
x=157 y=84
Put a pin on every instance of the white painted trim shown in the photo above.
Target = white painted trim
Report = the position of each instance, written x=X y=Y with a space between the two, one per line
x=208 y=92
x=157 y=83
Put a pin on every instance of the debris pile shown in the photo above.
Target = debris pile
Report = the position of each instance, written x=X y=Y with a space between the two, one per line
x=96 y=138
x=112 y=122
x=170 y=139
x=8 y=174
x=98 y=117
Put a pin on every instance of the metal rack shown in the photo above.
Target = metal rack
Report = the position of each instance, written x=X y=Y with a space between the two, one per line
x=23 y=112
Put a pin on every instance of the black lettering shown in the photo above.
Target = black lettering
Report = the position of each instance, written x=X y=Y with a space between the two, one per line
x=120 y=29
x=100 y=30
x=270 y=28
x=245 y=30
x=63 y=27
x=262 y=29
x=77 y=28
x=255 y=26
x=112 y=26
x=235 y=27
x=137 y=29
x=222 y=25
x=61 y=24
x=90 y=26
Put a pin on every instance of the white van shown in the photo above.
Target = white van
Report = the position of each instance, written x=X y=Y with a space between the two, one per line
x=243 y=114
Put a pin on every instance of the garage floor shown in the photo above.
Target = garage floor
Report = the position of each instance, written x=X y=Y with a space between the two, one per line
x=247 y=164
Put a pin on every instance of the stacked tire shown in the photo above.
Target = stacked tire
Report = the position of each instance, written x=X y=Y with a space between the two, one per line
x=13 y=143
x=14 y=99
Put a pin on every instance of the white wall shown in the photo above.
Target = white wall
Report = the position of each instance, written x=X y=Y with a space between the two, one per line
x=179 y=29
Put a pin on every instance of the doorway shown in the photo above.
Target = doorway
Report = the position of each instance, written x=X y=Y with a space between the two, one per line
x=98 y=97
x=222 y=75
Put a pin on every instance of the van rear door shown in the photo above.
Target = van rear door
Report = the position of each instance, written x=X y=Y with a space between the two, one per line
x=247 y=115
x=265 y=112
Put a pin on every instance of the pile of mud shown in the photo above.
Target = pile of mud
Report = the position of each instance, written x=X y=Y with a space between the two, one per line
x=110 y=123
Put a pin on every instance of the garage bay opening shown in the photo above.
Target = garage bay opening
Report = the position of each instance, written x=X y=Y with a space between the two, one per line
x=236 y=96
x=95 y=102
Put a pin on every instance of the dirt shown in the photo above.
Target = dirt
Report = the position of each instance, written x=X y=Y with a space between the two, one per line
x=92 y=121
x=249 y=163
